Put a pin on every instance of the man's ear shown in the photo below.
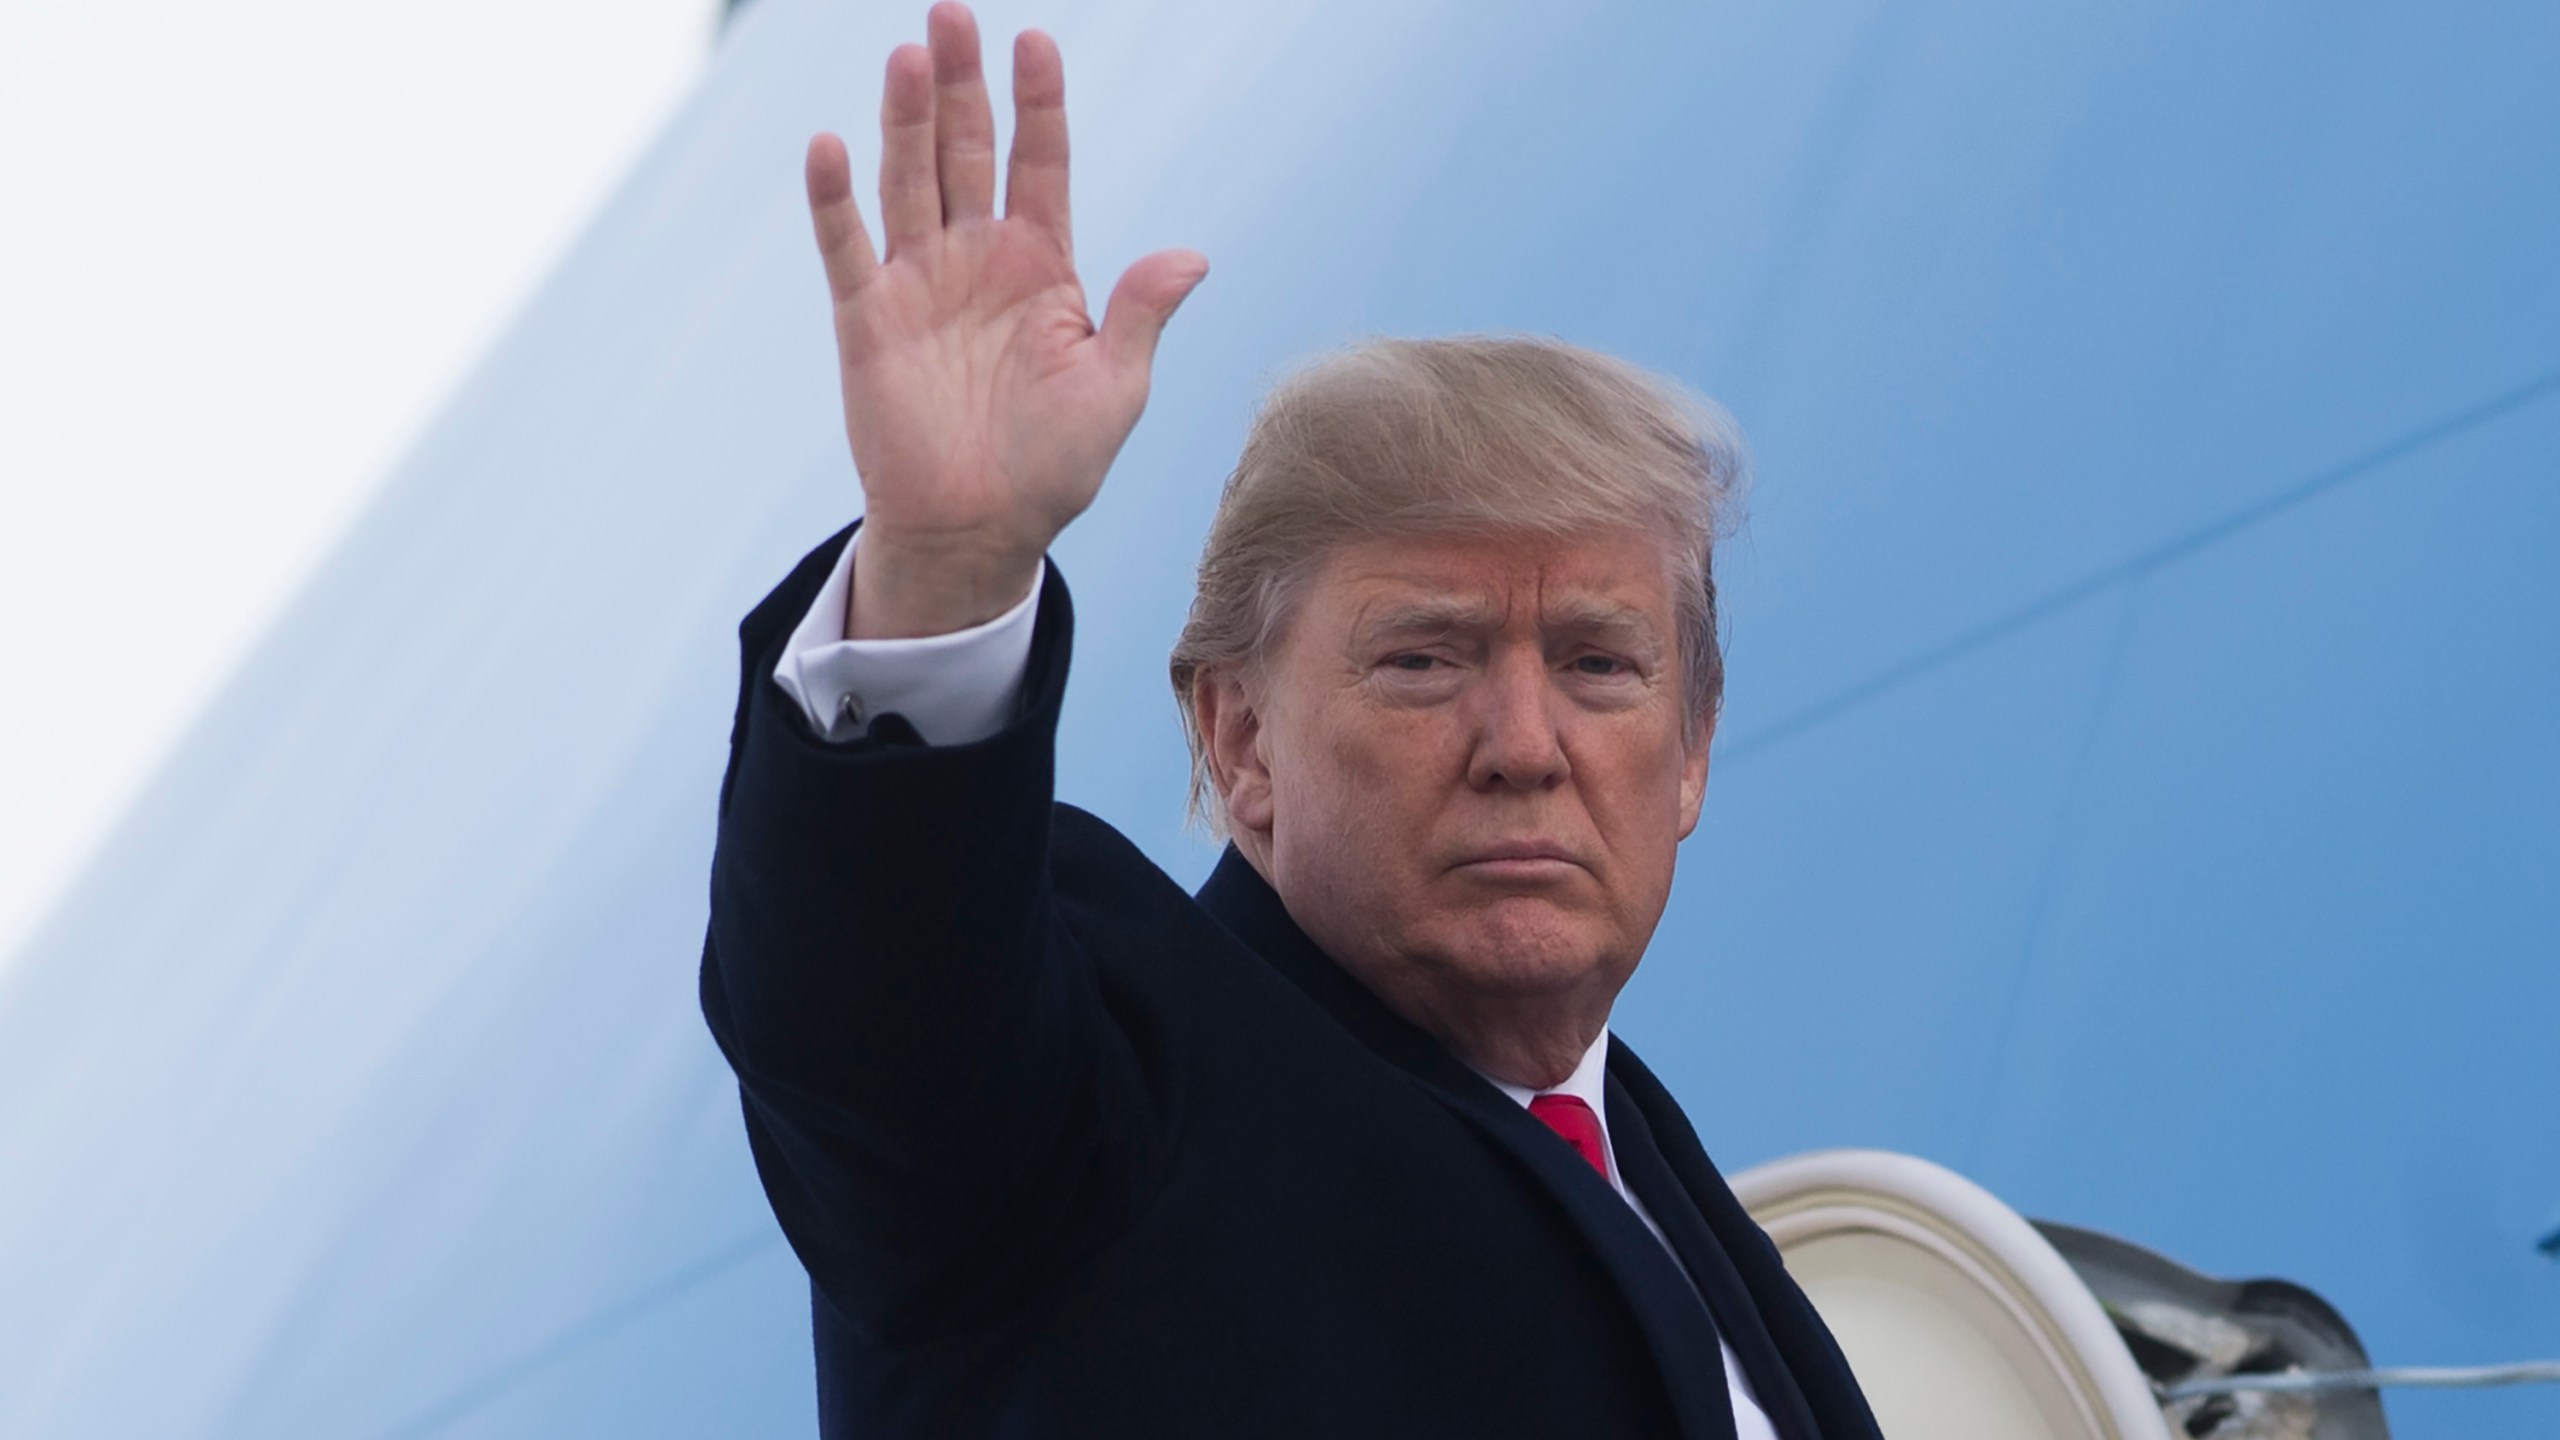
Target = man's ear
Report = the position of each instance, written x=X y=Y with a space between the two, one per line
x=1231 y=739
x=1693 y=775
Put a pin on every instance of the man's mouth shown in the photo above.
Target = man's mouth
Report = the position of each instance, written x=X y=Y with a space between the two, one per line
x=1519 y=860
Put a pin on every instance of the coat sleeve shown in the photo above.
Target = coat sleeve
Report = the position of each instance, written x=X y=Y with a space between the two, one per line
x=941 y=1109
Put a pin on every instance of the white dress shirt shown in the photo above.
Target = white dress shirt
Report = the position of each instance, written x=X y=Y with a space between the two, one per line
x=961 y=687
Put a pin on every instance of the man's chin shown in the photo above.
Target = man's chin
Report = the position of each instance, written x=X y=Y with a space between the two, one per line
x=1527 y=947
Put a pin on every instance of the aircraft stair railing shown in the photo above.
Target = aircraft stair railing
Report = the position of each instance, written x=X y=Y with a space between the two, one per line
x=1964 y=1319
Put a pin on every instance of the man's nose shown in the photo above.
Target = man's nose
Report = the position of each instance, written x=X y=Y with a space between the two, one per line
x=1517 y=744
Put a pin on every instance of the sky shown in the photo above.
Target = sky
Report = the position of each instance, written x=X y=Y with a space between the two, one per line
x=247 y=252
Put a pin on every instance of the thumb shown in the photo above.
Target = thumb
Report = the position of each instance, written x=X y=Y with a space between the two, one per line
x=1146 y=297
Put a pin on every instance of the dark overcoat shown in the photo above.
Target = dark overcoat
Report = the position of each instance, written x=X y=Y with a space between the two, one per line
x=1070 y=1152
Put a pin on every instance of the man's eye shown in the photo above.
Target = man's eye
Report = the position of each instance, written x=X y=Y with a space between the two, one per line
x=1413 y=662
x=1600 y=665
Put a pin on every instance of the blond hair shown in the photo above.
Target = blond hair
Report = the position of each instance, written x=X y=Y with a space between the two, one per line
x=1465 y=435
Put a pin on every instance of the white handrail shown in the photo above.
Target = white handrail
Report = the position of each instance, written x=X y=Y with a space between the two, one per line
x=2530 y=1372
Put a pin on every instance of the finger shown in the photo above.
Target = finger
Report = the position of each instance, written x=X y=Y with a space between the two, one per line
x=842 y=242
x=910 y=196
x=964 y=128
x=1035 y=182
x=1145 y=298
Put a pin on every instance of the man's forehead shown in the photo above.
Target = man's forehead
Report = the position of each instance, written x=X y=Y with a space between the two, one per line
x=1617 y=580
x=1419 y=607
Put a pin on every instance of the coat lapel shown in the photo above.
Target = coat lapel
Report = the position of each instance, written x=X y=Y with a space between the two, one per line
x=1678 y=1327
x=1820 y=1389
x=1736 y=1313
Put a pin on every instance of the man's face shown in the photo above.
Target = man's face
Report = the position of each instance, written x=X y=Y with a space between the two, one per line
x=1467 y=766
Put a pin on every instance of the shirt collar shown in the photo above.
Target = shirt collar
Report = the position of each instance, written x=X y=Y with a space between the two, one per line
x=1586 y=1083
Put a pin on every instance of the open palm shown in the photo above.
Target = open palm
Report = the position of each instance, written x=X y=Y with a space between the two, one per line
x=982 y=403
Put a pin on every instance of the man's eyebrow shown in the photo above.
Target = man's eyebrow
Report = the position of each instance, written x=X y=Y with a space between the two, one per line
x=1609 y=618
x=1427 y=616
x=1593 y=610
x=1442 y=615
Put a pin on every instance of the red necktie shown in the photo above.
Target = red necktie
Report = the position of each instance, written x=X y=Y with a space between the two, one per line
x=1573 y=1120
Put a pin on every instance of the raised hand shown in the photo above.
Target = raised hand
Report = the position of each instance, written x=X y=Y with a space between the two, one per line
x=982 y=402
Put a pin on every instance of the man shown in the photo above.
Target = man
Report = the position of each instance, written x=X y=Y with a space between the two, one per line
x=1341 y=1146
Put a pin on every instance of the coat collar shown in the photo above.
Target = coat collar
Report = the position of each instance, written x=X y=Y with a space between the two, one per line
x=1819 y=1395
x=1702 y=1247
x=1677 y=1325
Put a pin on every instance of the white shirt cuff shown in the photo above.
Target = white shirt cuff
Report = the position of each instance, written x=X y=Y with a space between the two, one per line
x=953 y=688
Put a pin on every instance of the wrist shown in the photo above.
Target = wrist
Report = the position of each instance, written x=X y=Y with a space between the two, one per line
x=905 y=587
